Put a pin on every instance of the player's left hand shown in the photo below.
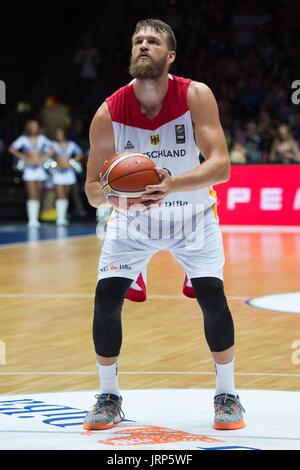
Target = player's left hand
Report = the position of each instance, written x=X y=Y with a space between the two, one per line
x=155 y=194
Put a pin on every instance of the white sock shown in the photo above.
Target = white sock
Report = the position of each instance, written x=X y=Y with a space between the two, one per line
x=225 y=378
x=108 y=376
x=33 y=209
x=61 y=209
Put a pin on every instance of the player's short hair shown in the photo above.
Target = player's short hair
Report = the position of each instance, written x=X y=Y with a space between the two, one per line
x=160 y=27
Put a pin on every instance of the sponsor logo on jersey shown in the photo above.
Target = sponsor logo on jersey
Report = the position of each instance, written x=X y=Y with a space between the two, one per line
x=129 y=145
x=166 y=153
x=115 y=267
x=180 y=134
x=154 y=139
x=176 y=203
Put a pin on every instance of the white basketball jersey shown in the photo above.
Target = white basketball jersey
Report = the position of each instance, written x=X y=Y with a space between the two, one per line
x=168 y=139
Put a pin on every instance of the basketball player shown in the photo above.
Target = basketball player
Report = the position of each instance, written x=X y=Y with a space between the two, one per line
x=34 y=148
x=171 y=119
x=64 y=176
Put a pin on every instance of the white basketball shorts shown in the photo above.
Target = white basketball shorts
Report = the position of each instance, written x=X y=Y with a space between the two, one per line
x=197 y=246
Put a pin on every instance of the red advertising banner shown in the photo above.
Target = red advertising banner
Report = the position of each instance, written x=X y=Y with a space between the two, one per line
x=260 y=195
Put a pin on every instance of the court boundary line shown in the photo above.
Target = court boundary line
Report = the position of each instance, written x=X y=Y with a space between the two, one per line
x=61 y=295
x=239 y=374
x=224 y=229
x=49 y=240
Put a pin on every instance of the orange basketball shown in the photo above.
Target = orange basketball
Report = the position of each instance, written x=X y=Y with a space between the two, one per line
x=125 y=176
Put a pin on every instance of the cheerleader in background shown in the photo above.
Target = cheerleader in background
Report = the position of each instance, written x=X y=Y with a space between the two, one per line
x=64 y=176
x=34 y=149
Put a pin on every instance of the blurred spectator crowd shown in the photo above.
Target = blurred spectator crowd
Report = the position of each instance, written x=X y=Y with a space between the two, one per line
x=248 y=55
x=246 y=52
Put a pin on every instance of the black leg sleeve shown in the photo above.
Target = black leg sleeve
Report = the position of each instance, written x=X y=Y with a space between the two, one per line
x=218 y=323
x=107 y=326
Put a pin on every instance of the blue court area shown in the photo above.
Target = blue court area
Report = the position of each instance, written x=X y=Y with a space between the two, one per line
x=20 y=233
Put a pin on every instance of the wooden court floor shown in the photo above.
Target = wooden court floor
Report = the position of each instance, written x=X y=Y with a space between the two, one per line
x=46 y=304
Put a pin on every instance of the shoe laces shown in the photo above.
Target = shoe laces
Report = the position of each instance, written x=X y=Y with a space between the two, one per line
x=110 y=403
x=229 y=403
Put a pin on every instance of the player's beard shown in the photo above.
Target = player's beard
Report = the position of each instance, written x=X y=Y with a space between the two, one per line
x=148 y=70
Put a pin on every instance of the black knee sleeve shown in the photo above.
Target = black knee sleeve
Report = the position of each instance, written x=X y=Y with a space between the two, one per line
x=218 y=323
x=107 y=326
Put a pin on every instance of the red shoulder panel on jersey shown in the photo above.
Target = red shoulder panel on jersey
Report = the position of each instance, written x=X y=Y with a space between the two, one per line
x=124 y=108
